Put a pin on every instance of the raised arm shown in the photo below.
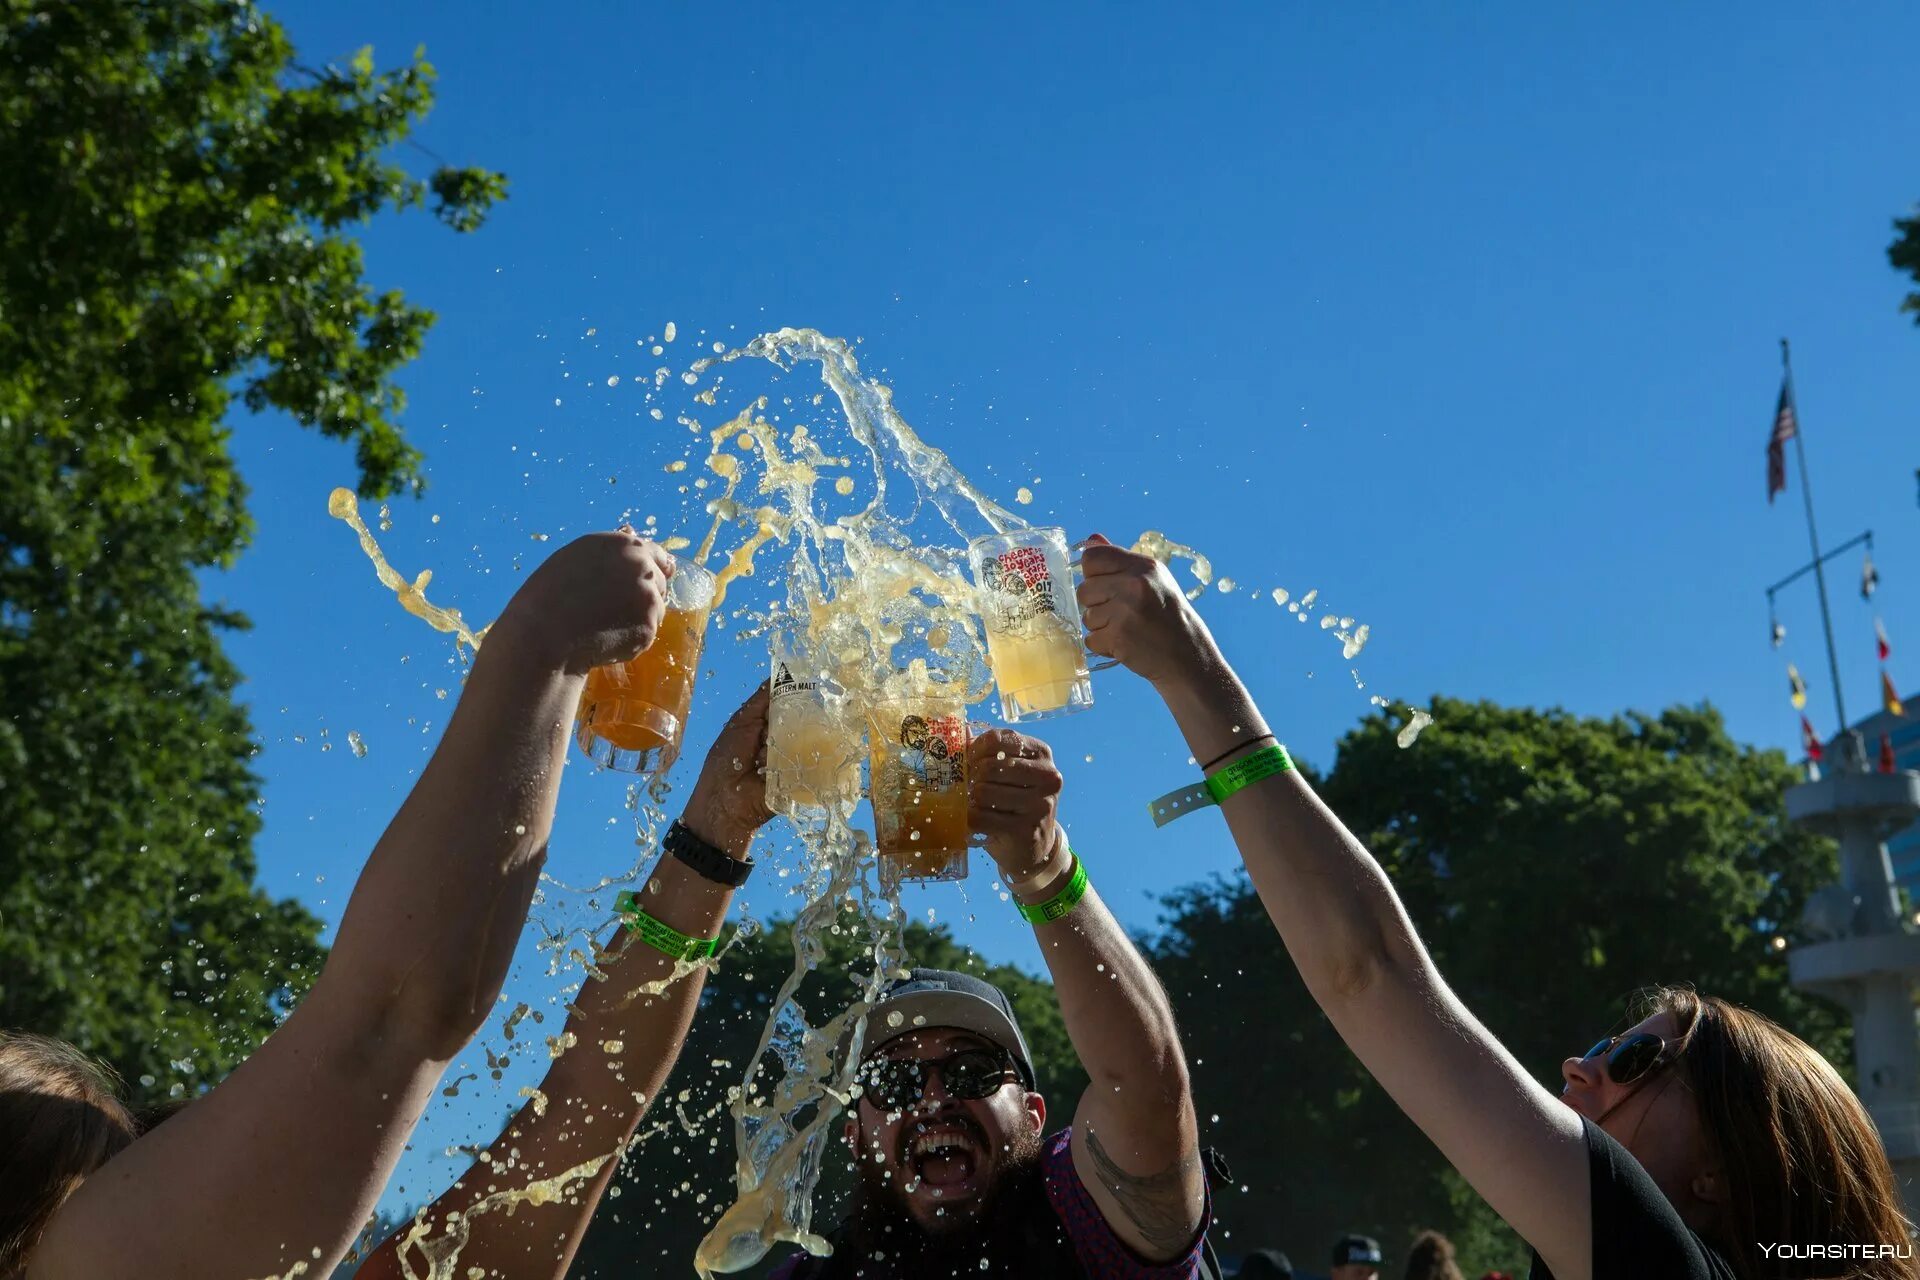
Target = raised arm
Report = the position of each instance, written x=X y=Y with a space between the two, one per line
x=279 y=1166
x=1347 y=932
x=1135 y=1142
x=624 y=1046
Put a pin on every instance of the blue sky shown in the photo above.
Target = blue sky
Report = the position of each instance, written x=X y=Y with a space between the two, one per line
x=1467 y=318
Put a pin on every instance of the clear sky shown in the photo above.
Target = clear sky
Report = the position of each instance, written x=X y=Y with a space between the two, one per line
x=1467 y=318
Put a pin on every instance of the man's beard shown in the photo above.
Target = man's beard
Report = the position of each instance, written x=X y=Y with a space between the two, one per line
x=879 y=1224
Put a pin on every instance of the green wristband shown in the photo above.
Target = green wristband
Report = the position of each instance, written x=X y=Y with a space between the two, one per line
x=1242 y=773
x=1247 y=770
x=664 y=938
x=1062 y=902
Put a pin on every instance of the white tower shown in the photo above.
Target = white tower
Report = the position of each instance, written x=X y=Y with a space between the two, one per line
x=1861 y=951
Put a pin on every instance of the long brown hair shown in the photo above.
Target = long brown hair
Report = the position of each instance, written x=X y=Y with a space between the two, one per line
x=1431 y=1258
x=1802 y=1162
x=61 y=1118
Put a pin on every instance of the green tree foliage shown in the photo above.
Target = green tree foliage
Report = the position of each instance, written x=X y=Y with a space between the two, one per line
x=1904 y=255
x=1554 y=864
x=176 y=194
x=677 y=1182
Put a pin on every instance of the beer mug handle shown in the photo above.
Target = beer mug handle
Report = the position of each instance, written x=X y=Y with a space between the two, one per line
x=1079 y=576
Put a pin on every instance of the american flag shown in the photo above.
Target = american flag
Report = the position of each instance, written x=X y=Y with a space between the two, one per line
x=1784 y=429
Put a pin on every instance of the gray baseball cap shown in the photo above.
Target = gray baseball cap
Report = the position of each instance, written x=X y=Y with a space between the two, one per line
x=942 y=998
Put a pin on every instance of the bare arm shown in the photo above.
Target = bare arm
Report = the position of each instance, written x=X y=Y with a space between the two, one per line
x=278 y=1166
x=1349 y=936
x=1135 y=1140
x=626 y=1042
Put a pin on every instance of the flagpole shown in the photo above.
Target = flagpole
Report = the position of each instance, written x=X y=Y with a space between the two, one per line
x=1819 y=574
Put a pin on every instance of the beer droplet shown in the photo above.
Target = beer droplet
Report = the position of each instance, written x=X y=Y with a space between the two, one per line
x=843 y=486
x=1023 y=495
x=358 y=743
x=671 y=333
x=1406 y=736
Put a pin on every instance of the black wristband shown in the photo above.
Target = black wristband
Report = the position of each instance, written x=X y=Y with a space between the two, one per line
x=709 y=862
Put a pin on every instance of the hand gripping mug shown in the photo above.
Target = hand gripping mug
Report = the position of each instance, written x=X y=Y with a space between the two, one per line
x=1035 y=644
x=634 y=713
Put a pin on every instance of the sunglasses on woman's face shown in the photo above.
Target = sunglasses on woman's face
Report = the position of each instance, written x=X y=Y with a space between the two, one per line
x=1629 y=1058
x=896 y=1084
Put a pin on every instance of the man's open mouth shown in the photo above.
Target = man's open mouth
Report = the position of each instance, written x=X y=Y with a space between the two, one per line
x=945 y=1154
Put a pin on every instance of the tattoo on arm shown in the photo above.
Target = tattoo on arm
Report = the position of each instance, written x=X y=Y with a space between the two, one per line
x=1156 y=1203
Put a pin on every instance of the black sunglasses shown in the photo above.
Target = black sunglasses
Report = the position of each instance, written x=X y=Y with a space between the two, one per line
x=1629 y=1058
x=896 y=1084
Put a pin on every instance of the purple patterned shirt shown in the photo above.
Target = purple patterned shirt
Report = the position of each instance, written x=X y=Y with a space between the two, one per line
x=1101 y=1254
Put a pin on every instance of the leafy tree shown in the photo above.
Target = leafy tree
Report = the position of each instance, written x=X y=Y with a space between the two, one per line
x=678 y=1181
x=176 y=197
x=1904 y=255
x=1553 y=864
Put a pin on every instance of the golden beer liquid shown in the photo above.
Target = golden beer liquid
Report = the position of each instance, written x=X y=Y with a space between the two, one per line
x=812 y=760
x=623 y=700
x=1037 y=665
x=919 y=817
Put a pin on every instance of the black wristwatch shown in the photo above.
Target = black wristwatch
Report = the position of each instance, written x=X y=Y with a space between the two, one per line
x=710 y=862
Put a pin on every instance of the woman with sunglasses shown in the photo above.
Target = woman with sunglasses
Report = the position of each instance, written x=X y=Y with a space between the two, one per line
x=1698 y=1145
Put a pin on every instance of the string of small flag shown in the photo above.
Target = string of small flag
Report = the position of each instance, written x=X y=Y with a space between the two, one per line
x=1786 y=426
x=1883 y=649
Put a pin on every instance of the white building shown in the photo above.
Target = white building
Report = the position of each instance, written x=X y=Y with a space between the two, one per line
x=1861 y=950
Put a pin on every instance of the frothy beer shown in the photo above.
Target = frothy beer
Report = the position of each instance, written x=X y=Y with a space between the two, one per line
x=1032 y=623
x=813 y=746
